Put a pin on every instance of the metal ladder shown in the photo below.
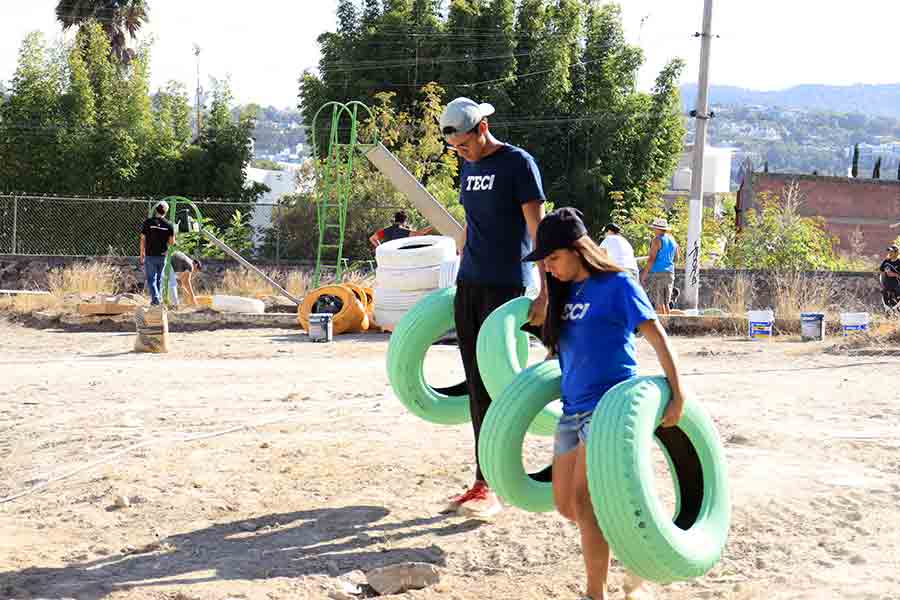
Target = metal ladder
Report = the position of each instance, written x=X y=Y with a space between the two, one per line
x=336 y=172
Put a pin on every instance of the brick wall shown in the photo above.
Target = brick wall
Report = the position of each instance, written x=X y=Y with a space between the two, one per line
x=871 y=205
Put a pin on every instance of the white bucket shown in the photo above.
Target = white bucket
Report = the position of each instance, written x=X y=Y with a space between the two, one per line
x=851 y=322
x=761 y=322
x=812 y=327
x=321 y=327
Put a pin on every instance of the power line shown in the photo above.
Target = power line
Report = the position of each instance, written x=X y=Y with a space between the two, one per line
x=376 y=65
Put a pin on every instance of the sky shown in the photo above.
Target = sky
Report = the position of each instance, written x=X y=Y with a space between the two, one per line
x=263 y=46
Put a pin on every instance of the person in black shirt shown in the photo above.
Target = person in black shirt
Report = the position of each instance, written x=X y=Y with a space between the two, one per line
x=157 y=234
x=890 y=277
x=397 y=231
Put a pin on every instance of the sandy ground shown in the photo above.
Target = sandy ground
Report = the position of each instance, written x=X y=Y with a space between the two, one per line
x=334 y=476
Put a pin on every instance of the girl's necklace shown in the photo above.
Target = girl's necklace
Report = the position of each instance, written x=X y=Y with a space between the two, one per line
x=581 y=287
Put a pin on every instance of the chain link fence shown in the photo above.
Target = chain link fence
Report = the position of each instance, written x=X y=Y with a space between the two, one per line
x=78 y=226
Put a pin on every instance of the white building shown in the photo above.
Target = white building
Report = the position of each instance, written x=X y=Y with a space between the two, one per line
x=279 y=183
x=716 y=170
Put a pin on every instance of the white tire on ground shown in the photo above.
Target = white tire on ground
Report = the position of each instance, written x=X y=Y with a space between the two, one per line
x=417 y=278
x=416 y=252
x=238 y=304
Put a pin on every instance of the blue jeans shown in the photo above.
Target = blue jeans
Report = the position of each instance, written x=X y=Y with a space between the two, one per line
x=153 y=268
x=571 y=430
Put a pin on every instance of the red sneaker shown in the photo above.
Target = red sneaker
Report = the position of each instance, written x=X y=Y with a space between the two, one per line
x=481 y=504
x=454 y=503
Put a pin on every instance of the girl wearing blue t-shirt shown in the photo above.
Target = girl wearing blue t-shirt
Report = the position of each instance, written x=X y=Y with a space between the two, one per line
x=594 y=308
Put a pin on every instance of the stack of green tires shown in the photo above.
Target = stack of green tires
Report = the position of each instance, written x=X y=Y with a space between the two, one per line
x=426 y=323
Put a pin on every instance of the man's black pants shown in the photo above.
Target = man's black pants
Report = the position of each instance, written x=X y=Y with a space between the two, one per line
x=474 y=303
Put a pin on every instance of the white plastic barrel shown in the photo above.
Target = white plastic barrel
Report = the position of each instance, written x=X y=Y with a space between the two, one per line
x=812 y=327
x=761 y=323
x=321 y=328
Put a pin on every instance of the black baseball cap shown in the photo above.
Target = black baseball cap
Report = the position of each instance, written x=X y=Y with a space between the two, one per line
x=613 y=227
x=557 y=230
x=892 y=248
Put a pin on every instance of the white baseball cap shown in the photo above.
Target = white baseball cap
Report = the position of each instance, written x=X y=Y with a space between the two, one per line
x=164 y=205
x=463 y=115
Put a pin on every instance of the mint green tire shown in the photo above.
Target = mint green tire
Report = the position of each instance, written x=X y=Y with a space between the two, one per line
x=502 y=353
x=647 y=541
x=503 y=435
x=423 y=325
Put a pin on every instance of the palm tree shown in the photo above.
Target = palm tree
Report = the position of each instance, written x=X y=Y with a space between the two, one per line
x=120 y=19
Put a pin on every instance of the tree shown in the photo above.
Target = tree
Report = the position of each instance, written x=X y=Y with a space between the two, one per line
x=776 y=237
x=560 y=73
x=854 y=169
x=876 y=172
x=424 y=15
x=371 y=13
x=76 y=123
x=348 y=18
x=120 y=19
x=461 y=48
x=415 y=138
x=498 y=38
x=29 y=135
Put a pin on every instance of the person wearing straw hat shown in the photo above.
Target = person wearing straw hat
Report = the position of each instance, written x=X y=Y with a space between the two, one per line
x=503 y=197
x=157 y=234
x=658 y=276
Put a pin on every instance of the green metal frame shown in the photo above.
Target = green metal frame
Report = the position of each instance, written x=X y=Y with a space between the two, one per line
x=334 y=182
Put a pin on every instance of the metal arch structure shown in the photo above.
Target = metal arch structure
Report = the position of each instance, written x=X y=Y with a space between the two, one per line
x=173 y=201
x=335 y=174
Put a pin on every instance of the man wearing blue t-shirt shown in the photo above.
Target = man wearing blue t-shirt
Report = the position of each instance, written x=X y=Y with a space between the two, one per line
x=504 y=199
x=659 y=274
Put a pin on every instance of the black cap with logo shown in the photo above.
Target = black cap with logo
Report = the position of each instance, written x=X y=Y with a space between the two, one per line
x=559 y=229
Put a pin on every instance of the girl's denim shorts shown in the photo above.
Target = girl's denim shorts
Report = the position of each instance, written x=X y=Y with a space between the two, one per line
x=571 y=430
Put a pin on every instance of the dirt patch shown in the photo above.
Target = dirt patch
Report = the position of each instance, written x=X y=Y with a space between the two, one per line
x=323 y=474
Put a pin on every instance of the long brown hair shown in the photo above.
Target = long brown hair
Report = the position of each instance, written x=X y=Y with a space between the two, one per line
x=595 y=261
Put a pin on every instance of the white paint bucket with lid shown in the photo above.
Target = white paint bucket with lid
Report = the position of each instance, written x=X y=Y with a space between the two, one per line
x=321 y=328
x=812 y=326
x=853 y=322
x=761 y=324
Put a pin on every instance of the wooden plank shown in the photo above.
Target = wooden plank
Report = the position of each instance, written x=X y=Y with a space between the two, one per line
x=23 y=293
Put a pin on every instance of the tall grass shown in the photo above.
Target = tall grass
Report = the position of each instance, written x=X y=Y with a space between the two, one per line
x=92 y=278
x=795 y=293
x=360 y=278
x=243 y=282
x=298 y=283
x=736 y=297
x=81 y=279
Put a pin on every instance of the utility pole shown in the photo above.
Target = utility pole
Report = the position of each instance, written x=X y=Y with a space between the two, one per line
x=199 y=92
x=702 y=116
